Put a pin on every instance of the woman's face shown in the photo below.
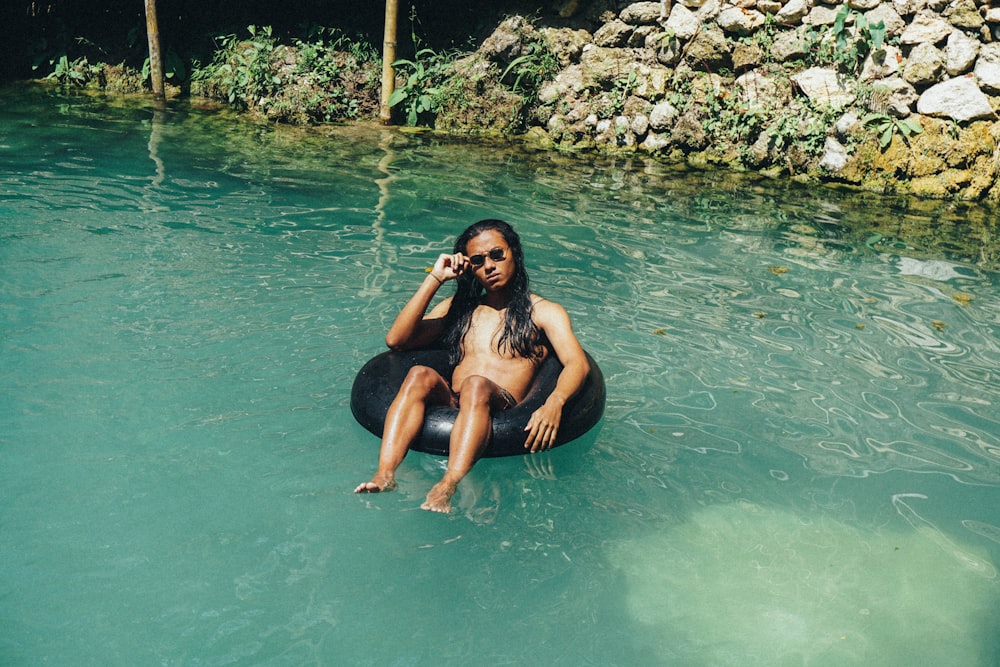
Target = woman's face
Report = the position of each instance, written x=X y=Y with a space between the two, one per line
x=497 y=262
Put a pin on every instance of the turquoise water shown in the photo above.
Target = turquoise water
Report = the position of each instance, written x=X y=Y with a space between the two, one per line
x=799 y=463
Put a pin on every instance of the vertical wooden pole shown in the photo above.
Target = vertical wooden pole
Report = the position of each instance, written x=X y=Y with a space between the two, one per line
x=153 y=37
x=388 y=57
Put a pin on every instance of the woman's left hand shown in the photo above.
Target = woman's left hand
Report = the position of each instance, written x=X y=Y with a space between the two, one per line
x=543 y=426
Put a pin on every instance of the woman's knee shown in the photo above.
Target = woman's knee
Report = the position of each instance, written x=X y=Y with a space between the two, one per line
x=476 y=391
x=420 y=380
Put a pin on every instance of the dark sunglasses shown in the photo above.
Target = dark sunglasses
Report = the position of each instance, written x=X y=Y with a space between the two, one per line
x=496 y=254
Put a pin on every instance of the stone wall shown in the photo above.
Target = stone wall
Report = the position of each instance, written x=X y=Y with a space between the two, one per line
x=893 y=95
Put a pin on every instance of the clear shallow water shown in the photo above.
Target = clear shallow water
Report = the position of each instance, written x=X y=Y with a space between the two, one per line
x=799 y=462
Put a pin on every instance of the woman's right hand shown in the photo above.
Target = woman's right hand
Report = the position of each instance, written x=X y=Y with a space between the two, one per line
x=449 y=267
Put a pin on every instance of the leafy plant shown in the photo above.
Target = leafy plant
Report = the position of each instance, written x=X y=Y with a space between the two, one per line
x=426 y=75
x=804 y=131
x=326 y=54
x=531 y=69
x=852 y=45
x=420 y=94
x=624 y=85
x=65 y=70
x=72 y=72
x=763 y=38
x=241 y=69
x=886 y=127
x=731 y=120
x=173 y=69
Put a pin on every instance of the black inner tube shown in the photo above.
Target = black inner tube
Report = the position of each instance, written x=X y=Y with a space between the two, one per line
x=379 y=380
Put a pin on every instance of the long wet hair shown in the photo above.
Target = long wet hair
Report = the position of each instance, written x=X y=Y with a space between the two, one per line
x=519 y=336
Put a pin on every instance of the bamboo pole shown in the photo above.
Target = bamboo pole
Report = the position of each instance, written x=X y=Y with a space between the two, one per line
x=153 y=38
x=388 y=57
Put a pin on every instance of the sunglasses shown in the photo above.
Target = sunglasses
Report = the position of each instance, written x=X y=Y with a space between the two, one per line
x=496 y=254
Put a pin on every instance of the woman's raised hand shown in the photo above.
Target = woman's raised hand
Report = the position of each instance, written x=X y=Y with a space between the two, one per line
x=448 y=267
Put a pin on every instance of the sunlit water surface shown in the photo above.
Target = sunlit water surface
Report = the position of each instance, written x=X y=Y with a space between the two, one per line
x=799 y=462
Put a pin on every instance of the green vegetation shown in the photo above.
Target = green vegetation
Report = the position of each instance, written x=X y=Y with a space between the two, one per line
x=322 y=78
x=467 y=86
x=845 y=45
x=851 y=46
x=422 y=91
x=529 y=71
x=242 y=71
x=886 y=127
x=76 y=72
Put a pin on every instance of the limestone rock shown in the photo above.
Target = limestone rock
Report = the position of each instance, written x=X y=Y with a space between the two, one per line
x=639 y=125
x=567 y=82
x=613 y=34
x=940 y=185
x=882 y=63
x=834 y=156
x=668 y=48
x=655 y=143
x=747 y=55
x=566 y=44
x=959 y=99
x=964 y=14
x=900 y=97
x=890 y=18
x=821 y=16
x=960 y=53
x=651 y=81
x=988 y=68
x=642 y=13
x=760 y=150
x=709 y=47
x=622 y=133
x=508 y=41
x=792 y=12
x=708 y=10
x=683 y=22
x=737 y=21
x=662 y=116
x=604 y=67
x=656 y=51
x=689 y=132
x=642 y=34
x=908 y=7
x=846 y=124
x=926 y=27
x=790 y=46
x=825 y=87
x=760 y=90
x=924 y=66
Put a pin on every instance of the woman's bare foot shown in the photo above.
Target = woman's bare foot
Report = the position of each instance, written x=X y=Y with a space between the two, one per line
x=378 y=484
x=439 y=498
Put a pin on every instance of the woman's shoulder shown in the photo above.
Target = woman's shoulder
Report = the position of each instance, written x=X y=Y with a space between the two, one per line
x=542 y=307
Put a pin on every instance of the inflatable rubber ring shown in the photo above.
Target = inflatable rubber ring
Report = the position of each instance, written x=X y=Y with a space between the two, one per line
x=378 y=382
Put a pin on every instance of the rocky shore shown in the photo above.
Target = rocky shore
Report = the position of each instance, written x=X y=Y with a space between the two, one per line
x=886 y=95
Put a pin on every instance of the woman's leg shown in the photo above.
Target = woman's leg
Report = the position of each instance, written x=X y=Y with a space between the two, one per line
x=469 y=437
x=422 y=386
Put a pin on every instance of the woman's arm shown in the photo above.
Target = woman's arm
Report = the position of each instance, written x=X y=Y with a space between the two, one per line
x=544 y=423
x=412 y=328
